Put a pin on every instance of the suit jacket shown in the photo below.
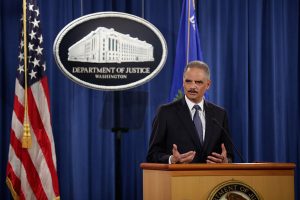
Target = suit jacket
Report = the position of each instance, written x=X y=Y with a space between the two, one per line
x=173 y=124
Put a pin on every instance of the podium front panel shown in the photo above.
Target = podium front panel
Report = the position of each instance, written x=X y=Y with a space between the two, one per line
x=269 y=181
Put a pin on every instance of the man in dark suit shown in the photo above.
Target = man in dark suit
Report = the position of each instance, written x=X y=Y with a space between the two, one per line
x=191 y=129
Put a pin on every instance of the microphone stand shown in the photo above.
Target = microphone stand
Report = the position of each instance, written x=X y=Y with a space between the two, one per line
x=229 y=139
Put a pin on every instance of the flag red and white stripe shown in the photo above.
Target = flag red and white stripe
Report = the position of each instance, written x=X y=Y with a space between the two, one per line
x=31 y=172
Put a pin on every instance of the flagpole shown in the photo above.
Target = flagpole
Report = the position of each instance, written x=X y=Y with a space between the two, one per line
x=188 y=35
x=26 y=139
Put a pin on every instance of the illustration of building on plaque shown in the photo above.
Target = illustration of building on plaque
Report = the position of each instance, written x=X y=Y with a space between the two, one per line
x=105 y=45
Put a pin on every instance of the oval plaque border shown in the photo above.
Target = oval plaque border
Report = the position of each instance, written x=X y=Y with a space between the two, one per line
x=97 y=15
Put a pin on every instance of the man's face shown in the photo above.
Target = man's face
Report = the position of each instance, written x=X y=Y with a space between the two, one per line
x=195 y=83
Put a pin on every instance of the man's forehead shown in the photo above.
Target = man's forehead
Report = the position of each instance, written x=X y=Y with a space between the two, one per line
x=198 y=74
x=194 y=76
x=194 y=80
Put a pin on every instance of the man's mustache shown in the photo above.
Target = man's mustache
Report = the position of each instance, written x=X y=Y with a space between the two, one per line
x=192 y=91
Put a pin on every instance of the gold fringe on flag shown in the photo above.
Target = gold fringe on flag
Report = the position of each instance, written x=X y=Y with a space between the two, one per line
x=12 y=190
x=26 y=139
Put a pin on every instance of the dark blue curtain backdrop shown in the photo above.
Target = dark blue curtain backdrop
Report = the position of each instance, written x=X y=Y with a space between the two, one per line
x=252 y=47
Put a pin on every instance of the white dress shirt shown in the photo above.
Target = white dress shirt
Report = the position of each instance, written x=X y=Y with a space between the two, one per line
x=201 y=112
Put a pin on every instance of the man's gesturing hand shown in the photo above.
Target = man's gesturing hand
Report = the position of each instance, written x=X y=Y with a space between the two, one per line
x=218 y=158
x=181 y=158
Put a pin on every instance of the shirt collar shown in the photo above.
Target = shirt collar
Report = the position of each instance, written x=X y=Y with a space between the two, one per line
x=191 y=104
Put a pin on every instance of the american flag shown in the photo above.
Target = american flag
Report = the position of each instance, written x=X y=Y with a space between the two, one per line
x=31 y=172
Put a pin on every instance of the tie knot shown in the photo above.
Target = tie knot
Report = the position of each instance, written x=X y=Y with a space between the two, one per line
x=197 y=107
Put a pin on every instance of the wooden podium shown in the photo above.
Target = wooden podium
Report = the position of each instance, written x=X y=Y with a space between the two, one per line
x=198 y=181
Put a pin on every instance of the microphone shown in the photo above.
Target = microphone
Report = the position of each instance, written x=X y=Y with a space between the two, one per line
x=228 y=137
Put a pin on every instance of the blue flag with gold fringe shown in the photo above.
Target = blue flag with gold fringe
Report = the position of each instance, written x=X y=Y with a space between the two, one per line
x=188 y=46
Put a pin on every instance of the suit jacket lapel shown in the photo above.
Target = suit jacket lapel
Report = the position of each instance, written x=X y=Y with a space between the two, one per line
x=209 y=125
x=185 y=116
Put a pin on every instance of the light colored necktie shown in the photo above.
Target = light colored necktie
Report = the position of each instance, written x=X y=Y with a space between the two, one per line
x=198 y=123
